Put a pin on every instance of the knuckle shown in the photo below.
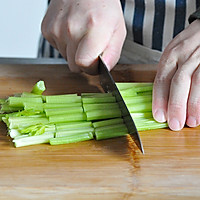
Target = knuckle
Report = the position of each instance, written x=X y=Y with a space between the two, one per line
x=180 y=77
x=161 y=78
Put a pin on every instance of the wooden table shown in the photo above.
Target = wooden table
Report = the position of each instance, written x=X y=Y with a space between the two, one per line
x=109 y=169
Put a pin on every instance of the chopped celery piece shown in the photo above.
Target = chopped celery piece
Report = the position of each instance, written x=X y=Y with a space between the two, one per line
x=63 y=99
x=58 y=111
x=76 y=131
x=72 y=125
x=107 y=122
x=33 y=140
x=19 y=101
x=71 y=139
x=34 y=106
x=25 y=121
x=7 y=108
x=38 y=88
x=110 y=131
x=67 y=117
x=112 y=127
x=98 y=95
x=96 y=106
x=103 y=114
x=61 y=105
x=109 y=99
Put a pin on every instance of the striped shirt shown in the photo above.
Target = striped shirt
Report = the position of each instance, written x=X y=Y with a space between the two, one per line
x=151 y=25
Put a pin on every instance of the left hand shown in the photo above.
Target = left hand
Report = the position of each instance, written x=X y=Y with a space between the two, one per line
x=176 y=93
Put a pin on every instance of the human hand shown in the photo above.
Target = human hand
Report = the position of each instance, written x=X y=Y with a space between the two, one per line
x=176 y=93
x=81 y=30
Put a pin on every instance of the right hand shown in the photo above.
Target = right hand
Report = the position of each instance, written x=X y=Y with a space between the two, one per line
x=81 y=30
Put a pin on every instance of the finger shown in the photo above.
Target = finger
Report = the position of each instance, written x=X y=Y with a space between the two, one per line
x=179 y=92
x=71 y=51
x=91 y=46
x=165 y=72
x=193 y=114
x=112 y=52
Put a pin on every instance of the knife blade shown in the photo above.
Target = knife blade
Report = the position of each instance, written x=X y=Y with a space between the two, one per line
x=108 y=84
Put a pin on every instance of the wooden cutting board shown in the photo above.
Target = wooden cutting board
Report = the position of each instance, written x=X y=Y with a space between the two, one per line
x=109 y=169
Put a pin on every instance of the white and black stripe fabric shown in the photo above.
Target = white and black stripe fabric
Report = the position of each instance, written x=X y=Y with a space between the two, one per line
x=151 y=25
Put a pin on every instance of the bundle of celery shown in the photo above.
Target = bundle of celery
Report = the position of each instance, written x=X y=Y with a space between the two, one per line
x=33 y=118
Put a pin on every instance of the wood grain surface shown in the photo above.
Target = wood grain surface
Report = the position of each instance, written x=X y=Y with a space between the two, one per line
x=109 y=169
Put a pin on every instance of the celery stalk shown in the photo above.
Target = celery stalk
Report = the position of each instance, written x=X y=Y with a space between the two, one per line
x=90 y=100
x=38 y=88
x=107 y=122
x=73 y=125
x=76 y=131
x=57 y=111
x=143 y=107
x=97 y=106
x=33 y=140
x=68 y=98
x=103 y=114
x=71 y=139
x=110 y=131
x=67 y=118
x=19 y=101
x=61 y=105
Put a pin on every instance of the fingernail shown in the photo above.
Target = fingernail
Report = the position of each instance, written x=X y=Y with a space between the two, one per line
x=159 y=115
x=174 y=124
x=191 y=121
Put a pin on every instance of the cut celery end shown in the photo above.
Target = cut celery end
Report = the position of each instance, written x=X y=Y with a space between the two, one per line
x=89 y=100
x=97 y=106
x=33 y=140
x=7 y=108
x=23 y=122
x=38 y=88
x=61 y=105
x=107 y=122
x=68 y=98
x=103 y=114
x=19 y=101
x=71 y=139
x=14 y=133
x=67 y=118
x=71 y=132
x=58 y=111
x=73 y=125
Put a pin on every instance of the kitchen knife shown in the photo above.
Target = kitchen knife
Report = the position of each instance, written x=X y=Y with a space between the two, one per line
x=109 y=86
